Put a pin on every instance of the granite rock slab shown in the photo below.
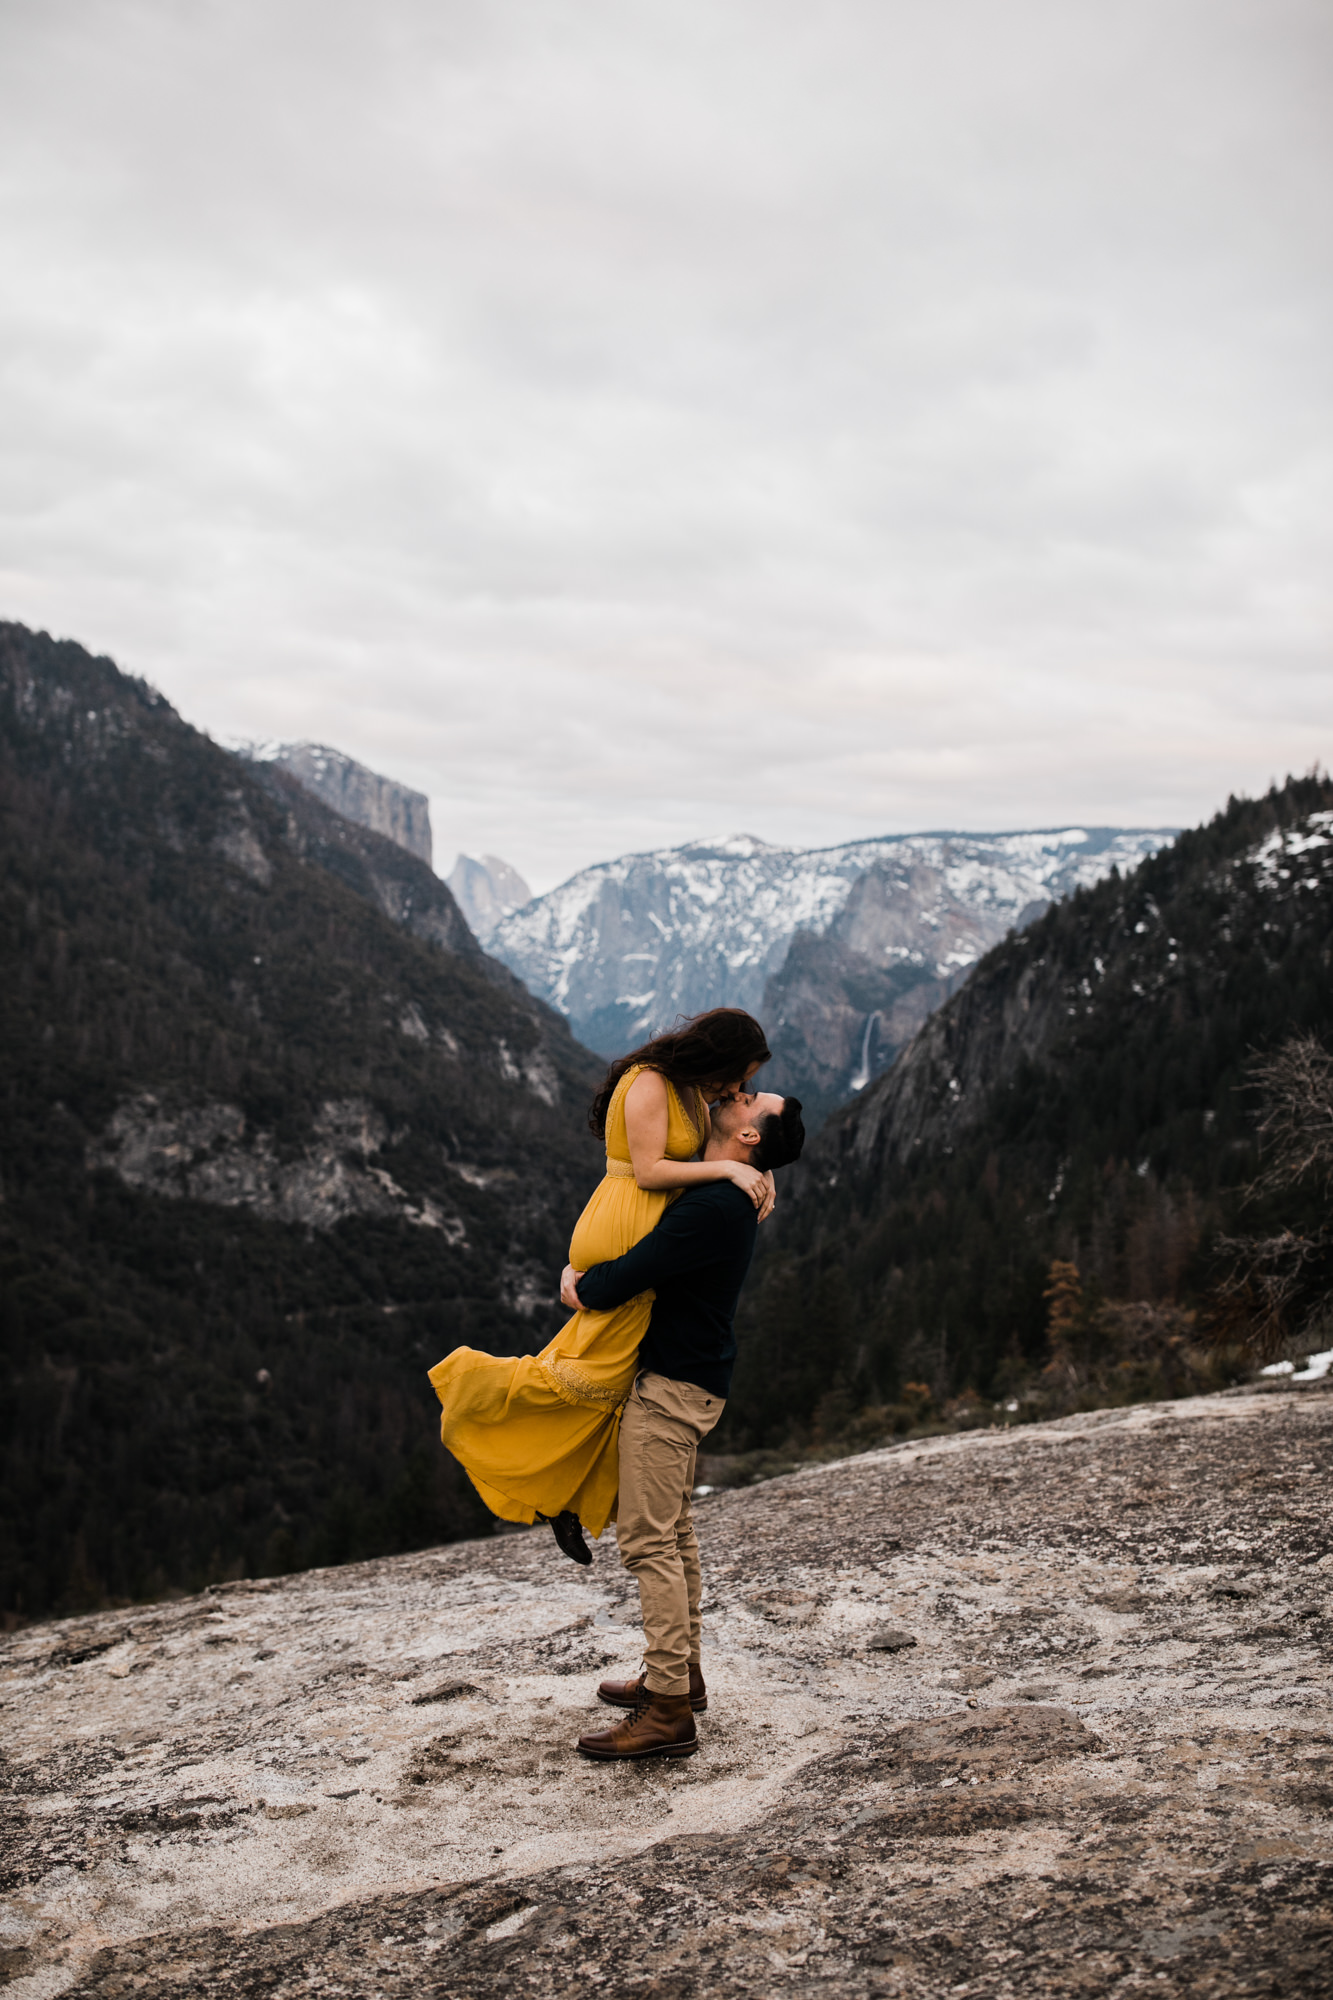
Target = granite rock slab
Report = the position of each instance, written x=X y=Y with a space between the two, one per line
x=1104 y=1767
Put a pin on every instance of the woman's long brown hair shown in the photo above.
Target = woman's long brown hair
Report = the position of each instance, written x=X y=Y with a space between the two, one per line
x=713 y=1048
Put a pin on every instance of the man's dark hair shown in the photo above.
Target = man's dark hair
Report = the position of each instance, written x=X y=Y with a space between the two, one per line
x=781 y=1137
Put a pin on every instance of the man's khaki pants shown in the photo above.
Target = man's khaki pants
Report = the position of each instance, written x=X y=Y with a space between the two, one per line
x=661 y=1430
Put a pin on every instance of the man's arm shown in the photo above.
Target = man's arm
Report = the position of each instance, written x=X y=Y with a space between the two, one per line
x=689 y=1235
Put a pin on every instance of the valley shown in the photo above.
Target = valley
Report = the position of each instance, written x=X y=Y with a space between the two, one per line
x=1087 y=1096
x=279 y=1132
x=842 y=952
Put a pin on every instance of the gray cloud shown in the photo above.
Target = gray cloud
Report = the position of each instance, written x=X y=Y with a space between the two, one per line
x=626 y=422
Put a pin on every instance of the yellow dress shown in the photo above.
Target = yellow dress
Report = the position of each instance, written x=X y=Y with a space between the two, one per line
x=537 y=1434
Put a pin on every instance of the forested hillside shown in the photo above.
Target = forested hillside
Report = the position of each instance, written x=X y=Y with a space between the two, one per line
x=1084 y=1098
x=274 y=1135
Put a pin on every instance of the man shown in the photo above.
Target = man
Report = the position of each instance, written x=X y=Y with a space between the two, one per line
x=695 y=1261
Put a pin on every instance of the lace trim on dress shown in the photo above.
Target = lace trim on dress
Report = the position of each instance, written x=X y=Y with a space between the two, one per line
x=573 y=1386
x=619 y=1170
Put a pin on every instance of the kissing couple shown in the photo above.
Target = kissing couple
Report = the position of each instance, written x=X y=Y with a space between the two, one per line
x=605 y=1422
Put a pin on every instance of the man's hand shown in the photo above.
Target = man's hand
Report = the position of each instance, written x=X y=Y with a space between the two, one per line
x=569 y=1289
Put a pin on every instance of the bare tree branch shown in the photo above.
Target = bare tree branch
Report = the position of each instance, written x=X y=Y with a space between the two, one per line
x=1278 y=1287
x=1296 y=1126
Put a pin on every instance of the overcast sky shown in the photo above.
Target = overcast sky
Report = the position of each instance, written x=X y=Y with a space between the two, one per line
x=630 y=421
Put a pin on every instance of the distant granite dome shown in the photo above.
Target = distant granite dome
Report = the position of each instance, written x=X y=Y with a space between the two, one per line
x=359 y=794
x=487 y=890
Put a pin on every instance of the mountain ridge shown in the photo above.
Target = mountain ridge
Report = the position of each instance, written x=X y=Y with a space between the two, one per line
x=1082 y=1097
x=276 y=1135
x=818 y=942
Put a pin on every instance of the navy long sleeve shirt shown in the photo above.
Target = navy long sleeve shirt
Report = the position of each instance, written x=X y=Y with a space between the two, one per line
x=695 y=1260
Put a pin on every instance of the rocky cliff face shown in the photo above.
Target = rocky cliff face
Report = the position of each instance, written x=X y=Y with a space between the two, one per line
x=276 y=1135
x=1040 y=1712
x=361 y=795
x=487 y=890
x=842 y=951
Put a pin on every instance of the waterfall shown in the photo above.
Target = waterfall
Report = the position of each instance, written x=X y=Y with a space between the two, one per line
x=862 y=1075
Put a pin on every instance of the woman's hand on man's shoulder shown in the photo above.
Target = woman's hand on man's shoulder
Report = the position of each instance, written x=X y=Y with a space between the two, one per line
x=749 y=1180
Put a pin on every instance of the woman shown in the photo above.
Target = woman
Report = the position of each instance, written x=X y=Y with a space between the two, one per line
x=537 y=1435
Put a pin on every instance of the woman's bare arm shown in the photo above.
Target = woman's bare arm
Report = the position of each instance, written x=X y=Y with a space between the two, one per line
x=647 y=1113
x=770 y=1199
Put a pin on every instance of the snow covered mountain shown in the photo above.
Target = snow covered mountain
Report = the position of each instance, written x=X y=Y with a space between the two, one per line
x=841 y=951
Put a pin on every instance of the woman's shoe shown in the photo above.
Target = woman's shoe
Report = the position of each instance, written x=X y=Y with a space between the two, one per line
x=568 y=1531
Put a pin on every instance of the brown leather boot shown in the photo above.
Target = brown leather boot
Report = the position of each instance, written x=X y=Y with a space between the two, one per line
x=661 y=1725
x=624 y=1694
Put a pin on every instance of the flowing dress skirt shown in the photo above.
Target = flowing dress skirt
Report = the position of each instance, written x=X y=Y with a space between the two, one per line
x=537 y=1434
